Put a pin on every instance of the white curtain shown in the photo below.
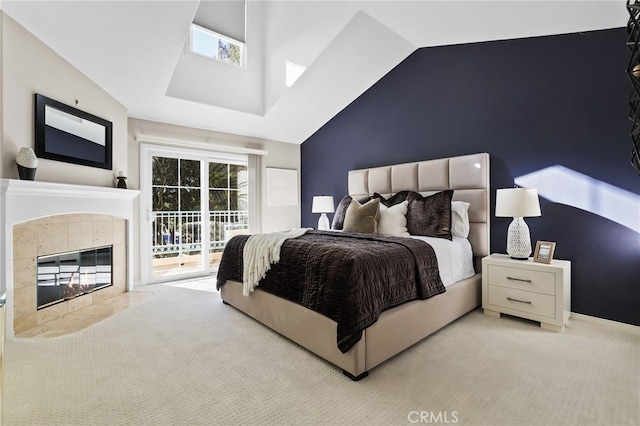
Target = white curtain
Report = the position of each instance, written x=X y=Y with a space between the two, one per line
x=256 y=172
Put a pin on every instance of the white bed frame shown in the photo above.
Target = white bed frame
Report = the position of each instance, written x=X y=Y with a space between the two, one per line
x=400 y=327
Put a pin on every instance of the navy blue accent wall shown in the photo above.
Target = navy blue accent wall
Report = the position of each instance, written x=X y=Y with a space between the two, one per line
x=530 y=103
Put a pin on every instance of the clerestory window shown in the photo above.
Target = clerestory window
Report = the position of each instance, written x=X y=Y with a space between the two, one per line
x=216 y=46
x=219 y=31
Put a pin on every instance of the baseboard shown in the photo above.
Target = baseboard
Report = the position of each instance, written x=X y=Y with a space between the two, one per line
x=605 y=322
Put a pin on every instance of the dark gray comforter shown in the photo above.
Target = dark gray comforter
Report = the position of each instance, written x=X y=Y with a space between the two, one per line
x=350 y=278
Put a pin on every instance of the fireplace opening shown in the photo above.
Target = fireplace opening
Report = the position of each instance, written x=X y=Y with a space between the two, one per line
x=64 y=276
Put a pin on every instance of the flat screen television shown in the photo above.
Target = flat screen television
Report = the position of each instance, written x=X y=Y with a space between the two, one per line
x=65 y=133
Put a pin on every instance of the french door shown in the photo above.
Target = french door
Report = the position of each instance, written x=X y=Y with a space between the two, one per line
x=194 y=202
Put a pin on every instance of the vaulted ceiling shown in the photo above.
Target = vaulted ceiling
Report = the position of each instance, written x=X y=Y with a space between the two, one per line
x=137 y=51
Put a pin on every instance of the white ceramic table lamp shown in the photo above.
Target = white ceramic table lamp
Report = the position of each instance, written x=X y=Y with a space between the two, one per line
x=323 y=204
x=518 y=203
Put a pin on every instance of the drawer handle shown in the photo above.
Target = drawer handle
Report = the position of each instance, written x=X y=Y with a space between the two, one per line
x=519 y=279
x=519 y=301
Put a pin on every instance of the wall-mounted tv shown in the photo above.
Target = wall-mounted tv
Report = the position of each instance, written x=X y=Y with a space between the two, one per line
x=64 y=133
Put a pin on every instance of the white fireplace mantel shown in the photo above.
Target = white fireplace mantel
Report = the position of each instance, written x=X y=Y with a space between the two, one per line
x=22 y=201
x=27 y=200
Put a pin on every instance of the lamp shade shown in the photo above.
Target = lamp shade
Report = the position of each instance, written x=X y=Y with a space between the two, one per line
x=322 y=204
x=517 y=202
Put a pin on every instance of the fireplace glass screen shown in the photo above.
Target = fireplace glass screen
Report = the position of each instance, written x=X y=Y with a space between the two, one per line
x=67 y=275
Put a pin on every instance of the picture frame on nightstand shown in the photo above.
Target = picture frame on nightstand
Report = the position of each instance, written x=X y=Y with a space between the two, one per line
x=544 y=251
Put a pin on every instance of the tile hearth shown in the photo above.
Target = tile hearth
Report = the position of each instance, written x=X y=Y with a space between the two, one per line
x=86 y=317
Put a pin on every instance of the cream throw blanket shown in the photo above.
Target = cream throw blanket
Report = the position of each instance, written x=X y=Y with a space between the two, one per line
x=260 y=251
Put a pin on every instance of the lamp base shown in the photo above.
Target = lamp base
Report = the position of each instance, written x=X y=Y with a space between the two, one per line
x=518 y=240
x=323 y=223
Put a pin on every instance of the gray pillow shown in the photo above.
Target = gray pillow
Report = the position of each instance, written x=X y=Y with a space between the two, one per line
x=362 y=218
x=430 y=216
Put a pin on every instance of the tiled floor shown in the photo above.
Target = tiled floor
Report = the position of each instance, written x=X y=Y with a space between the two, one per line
x=83 y=318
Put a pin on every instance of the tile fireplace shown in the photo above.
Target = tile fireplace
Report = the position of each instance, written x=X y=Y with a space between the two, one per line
x=42 y=220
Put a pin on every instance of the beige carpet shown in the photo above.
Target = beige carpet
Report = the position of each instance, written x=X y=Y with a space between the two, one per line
x=184 y=358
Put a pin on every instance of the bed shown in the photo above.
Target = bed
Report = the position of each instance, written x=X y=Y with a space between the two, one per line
x=402 y=326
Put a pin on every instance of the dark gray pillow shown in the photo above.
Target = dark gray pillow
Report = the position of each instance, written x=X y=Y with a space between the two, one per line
x=430 y=216
x=362 y=218
x=341 y=210
x=396 y=198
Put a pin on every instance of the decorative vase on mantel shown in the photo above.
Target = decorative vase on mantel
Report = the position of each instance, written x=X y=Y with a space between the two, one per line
x=27 y=163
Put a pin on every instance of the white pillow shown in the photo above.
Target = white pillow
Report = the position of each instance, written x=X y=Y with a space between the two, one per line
x=460 y=219
x=393 y=220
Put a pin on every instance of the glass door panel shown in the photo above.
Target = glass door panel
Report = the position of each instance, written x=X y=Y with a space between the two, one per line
x=195 y=202
x=228 y=206
x=176 y=228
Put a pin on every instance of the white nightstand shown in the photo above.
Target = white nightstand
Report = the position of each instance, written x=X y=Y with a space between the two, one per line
x=527 y=289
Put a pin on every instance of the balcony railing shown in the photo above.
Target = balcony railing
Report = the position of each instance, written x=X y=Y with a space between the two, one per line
x=181 y=232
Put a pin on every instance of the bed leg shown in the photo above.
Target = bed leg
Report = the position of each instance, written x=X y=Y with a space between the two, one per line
x=355 y=378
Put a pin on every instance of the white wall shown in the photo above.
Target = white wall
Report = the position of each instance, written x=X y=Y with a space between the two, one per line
x=1 y=88
x=30 y=66
x=315 y=26
x=279 y=154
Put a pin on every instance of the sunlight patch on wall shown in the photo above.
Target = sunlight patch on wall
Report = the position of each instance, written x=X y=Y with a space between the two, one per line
x=565 y=186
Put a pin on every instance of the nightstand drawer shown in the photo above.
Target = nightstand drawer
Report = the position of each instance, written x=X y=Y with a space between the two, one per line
x=524 y=301
x=522 y=279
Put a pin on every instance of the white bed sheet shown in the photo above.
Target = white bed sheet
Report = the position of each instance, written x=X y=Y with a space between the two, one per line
x=455 y=258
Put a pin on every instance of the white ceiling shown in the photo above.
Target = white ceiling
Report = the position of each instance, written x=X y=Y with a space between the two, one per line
x=136 y=51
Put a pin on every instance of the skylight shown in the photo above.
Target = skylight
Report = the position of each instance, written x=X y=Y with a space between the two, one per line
x=293 y=72
x=215 y=46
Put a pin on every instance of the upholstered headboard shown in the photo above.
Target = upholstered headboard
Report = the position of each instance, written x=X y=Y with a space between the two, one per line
x=467 y=175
